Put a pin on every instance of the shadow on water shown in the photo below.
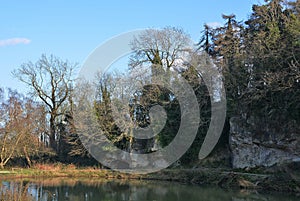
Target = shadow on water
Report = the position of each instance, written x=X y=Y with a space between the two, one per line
x=64 y=189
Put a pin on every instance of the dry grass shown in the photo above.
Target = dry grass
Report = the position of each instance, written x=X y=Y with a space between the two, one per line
x=48 y=167
x=57 y=170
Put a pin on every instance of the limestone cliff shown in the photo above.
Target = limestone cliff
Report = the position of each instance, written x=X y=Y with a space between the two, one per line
x=256 y=142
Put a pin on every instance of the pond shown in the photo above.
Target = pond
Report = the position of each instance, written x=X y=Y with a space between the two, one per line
x=64 y=189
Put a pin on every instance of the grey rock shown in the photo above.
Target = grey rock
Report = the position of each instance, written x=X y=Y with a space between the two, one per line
x=255 y=142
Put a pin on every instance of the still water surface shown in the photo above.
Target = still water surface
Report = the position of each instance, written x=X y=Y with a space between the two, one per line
x=119 y=190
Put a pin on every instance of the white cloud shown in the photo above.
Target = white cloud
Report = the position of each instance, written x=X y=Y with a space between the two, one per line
x=14 y=41
x=214 y=24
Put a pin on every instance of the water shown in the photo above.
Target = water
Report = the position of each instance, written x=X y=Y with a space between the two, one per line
x=119 y=190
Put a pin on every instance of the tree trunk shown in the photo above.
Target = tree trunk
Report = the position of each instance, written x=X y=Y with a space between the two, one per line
x=27 y=156
x=157 y=73
x=52 y=140
x=1 y=165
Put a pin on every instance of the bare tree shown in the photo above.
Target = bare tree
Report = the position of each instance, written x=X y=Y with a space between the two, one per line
x=162 y=49
x=49 y=78
x=83 y=100
x=19 y=127
x=163 y=52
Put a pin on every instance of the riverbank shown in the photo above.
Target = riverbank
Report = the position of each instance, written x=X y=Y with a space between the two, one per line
x=227 y=179
x=279 y=182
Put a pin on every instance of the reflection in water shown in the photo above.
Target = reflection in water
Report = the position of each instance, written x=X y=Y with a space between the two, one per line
x=110 y=190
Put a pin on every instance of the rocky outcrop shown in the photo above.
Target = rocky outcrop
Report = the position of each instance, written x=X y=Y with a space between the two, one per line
x=255 y=142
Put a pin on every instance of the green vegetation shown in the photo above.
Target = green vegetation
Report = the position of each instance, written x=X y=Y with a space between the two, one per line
x=260 y=63
x=260 y=60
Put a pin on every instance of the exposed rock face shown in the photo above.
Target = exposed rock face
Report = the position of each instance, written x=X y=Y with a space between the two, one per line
x=255 y=142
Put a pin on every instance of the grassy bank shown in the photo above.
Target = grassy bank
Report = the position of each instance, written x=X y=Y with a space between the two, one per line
x=280 y=181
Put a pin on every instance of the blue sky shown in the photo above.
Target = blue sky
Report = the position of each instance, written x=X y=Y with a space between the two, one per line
x=73 y=29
